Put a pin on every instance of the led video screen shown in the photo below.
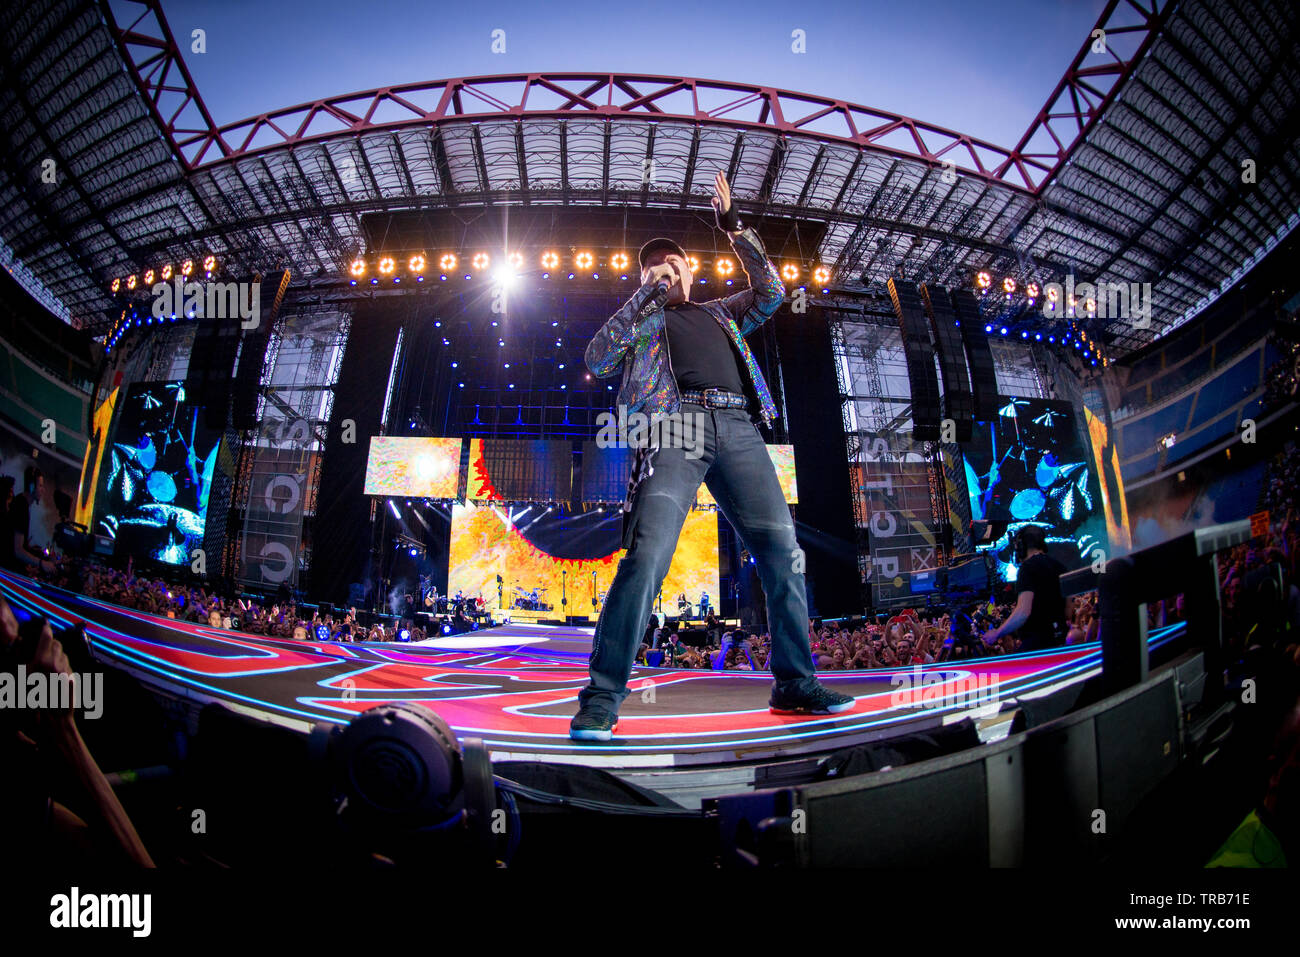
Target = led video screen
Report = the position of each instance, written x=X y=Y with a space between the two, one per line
x=413 y=467
x=605 y=473
x=103 y=418
x=782 y=457
x=520 y=470
x=1029 y=466
x=569 y=556
x=157 y=475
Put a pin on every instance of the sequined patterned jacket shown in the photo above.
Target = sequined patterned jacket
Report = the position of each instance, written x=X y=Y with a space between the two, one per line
x=635 y=338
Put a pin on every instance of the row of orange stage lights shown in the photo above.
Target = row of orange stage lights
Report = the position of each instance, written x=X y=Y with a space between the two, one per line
x=1075 y=304
x=418 y=265
x=984 y=283
x=165 y=273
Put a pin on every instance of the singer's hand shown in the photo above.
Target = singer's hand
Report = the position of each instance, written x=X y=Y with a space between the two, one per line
x=664 y=271
x=722 y=201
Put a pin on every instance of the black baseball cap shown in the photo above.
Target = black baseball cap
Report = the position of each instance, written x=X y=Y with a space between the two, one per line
x=654 y=245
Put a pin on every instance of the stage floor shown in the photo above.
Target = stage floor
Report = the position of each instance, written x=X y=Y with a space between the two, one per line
x=515 y=687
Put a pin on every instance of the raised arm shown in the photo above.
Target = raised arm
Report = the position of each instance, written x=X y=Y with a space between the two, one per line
x=753 y=306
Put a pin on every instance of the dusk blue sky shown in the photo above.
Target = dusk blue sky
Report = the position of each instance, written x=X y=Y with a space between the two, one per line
x=984 y=69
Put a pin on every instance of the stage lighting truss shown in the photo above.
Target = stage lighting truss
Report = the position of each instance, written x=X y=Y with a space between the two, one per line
x=584 y=261
x=163 y=272
x=1019 y=314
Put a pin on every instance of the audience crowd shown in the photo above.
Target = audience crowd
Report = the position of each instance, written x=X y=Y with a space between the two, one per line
x=910 y=638
x=204 y=605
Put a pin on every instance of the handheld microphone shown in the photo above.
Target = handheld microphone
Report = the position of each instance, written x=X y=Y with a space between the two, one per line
x=657 y=298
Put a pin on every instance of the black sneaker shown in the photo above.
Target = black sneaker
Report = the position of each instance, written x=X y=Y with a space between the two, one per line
x=593 y=723
x=820 y=700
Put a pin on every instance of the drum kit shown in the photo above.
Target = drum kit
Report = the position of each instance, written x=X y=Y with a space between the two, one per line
x=534 y=600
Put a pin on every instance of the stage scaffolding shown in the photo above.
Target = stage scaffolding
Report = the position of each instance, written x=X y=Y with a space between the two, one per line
x=910 y=506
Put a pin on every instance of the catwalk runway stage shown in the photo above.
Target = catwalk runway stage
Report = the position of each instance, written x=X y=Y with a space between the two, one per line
x=515 y=688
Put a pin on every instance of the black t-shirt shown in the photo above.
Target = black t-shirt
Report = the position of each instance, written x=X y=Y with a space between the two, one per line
x=6 y=540
x=1041 y=574
x=701 y=353
x=16 y=524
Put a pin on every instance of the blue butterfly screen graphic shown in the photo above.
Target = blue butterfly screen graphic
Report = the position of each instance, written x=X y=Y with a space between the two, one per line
x=154 y=501
x=1029 y=467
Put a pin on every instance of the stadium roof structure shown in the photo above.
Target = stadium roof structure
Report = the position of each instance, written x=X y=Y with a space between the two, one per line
x=1132 y=171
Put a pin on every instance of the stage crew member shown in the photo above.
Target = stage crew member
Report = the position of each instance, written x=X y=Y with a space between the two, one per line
x=1038 y=619
x=690 y=360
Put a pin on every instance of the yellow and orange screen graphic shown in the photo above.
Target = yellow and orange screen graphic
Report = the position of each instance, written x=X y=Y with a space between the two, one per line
x=416 y=467
x=1109 y=476
x=485 y=544
x=782 y=457
x=103 y=418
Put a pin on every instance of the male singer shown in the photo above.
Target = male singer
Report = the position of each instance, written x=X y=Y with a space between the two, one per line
x=677 y=356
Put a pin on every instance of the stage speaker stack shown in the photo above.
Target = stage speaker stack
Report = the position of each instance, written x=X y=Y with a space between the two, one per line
x=212 y=365
x=920 y=360
x=957 y=401
x=248 y=378
x=984 y=384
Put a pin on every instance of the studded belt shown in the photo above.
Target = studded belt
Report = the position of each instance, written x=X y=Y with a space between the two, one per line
x=715 y=398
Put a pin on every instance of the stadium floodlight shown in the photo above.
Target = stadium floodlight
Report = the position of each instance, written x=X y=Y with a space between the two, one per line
x=1008 y=285
x=148 y=277
x=822 y=275
x=386 y=266
x=790 y=271
x=983 y=280
x=481 y=261
x=550 y=259
x=417 y=263
x=187 y=267
x=209 y=264
x=166 y=272
x=618 y=261
x=130 y=281
x=358 y=267
x=584 y=260
x=448 y=262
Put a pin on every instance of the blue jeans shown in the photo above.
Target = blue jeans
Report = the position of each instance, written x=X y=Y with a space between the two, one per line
x=738 y=472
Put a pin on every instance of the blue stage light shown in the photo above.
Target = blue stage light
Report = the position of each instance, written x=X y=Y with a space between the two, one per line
x=1003 y=330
